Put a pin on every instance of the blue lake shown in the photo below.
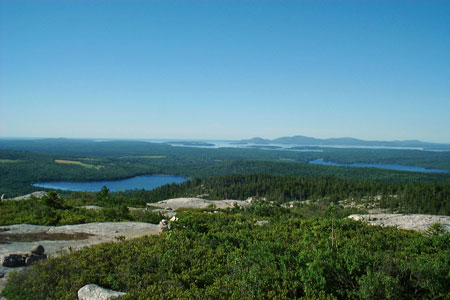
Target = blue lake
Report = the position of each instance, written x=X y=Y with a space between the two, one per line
x=380 y=166
x=148 y=182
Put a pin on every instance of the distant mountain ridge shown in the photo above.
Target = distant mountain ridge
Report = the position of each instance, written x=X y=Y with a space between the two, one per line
x=300 y=140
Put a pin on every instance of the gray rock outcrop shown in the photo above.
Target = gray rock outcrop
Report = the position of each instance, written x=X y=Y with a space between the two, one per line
x=177 y=203
x=404 y=221
x=37 y=195
x=95 y=292
x=97 y=233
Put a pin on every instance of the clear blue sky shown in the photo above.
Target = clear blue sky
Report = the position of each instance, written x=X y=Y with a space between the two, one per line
x=377 y=70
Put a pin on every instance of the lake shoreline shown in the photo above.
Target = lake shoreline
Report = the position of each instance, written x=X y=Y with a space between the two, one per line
x=146 y=182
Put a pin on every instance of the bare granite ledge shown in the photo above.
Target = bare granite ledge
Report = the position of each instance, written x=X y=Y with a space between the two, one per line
x=404 y=221
x=95 y=233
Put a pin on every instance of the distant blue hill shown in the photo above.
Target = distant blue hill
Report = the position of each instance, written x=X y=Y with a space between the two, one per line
x=300 y=140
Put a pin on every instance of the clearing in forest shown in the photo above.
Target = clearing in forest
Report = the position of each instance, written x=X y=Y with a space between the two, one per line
x=76 y=162
x=5 y=161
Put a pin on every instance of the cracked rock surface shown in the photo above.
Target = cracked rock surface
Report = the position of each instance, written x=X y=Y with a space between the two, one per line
x=95 y=233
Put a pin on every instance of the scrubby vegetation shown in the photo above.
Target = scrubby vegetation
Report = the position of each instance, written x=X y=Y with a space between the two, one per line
x=226 y=256
x=308 y=251
x=55 y=210
x=431 y=198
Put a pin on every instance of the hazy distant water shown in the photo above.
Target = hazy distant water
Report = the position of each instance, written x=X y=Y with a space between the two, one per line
x=289 y=147
x=149 y=182
x=380 y=166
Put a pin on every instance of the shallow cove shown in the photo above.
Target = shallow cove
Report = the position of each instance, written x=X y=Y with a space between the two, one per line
x=147 y=182
x=380 y=166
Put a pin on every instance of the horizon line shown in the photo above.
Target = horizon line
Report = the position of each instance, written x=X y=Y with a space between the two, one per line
x=208 y=139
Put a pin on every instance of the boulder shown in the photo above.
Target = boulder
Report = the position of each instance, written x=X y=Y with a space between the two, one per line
x=261 y=222
x=92 y=207
x=21 y=259
x=164 y=225
x=95 y=292
x=14 y=260
x=31 y=259
x=38 y=250
x=356 y=217
x=2 y=274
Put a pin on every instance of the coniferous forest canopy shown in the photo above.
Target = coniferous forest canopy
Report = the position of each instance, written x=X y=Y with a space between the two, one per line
x=23 y=162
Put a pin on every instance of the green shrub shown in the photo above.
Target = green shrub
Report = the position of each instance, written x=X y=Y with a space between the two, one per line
x=225 y=256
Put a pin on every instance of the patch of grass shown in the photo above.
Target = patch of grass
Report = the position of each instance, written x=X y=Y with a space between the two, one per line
x=75 y=162
x=8 y=161
x=146 y=156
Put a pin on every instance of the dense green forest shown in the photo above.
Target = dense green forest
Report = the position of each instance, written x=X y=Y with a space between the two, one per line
x=226 y=256
x=28 y=161
x=97 y=149
x=431 y=198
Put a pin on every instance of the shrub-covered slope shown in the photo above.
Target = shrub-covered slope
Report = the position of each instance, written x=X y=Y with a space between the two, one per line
x=226 y=256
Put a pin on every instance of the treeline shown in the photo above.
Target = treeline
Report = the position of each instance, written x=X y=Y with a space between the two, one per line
x=19 y=170
x=115 y=149
x=431 y=198
x=25 y=168
x=424 y=159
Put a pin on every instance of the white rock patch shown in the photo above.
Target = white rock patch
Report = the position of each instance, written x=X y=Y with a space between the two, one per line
x=404 y=221
x=95 y=292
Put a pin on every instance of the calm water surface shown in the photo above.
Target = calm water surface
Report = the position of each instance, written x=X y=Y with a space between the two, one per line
x=380 y=166
x=148 y=182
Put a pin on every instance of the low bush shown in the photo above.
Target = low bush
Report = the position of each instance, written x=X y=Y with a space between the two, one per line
x=226 y=256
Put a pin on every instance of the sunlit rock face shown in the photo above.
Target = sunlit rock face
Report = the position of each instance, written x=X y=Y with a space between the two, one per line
x=402 y=221
x=95 y=292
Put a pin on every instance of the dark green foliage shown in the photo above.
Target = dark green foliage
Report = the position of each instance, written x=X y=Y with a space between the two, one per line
x=54 y=210
x=103 y=194
x=225 y=256
x=52 y=200
x=122 y=159
x=431 y=198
